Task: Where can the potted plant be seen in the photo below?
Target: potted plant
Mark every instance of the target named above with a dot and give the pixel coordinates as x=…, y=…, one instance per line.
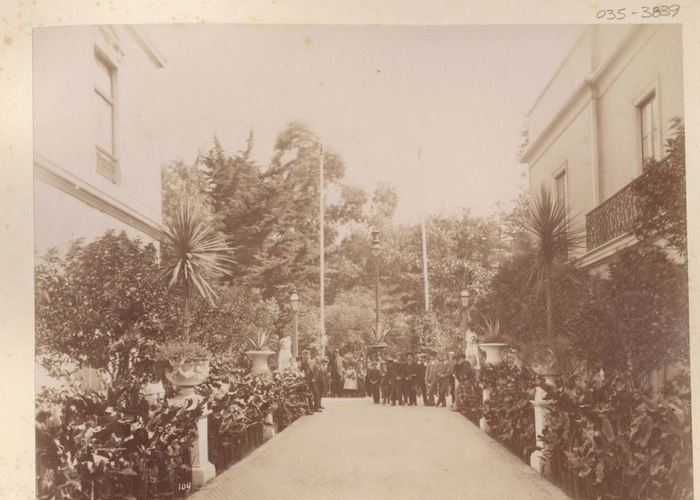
x=547, y=357
x=493, y=342
x=195, y=255
x=186, y=365
x=377, y=334
x=259, y=354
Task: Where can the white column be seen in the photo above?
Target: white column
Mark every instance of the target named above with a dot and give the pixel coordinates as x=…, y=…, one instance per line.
x=483, y=425
x=202, y=469
x=541, y=409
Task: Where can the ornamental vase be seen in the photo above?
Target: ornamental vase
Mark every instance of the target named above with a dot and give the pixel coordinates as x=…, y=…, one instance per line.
x=188, y=373
x=259, y=362
x=494, y=352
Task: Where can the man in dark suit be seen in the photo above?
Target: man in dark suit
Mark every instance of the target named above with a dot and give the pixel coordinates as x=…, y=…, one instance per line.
x=420, y=378
x=410, y=375
x=308, y=368
x=399, y=374
x=387, y=369
x=372, y=381
x=321, y=379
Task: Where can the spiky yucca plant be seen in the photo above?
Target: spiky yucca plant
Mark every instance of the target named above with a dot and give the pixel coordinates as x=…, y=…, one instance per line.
x=553, y=239
x=377, y=336
x=195, y=256
x=260, y=338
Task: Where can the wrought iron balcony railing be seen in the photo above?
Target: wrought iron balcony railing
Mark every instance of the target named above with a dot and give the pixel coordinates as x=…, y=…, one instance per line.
x=614, y=217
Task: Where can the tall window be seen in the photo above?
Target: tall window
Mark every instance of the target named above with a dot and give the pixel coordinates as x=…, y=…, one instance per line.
x=104, y=117
x=648, y=115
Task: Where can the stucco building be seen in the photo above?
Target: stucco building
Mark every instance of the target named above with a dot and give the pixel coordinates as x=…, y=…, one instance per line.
x=604, y=113
x=96, y=164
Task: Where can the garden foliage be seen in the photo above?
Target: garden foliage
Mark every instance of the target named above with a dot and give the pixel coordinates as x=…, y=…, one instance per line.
x=113, y=445
x=607, y=439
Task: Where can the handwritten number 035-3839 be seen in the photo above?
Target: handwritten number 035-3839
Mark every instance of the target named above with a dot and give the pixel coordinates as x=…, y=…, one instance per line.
x=644, y=12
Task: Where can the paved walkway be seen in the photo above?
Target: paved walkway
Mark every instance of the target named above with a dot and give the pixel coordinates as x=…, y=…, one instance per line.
x=357, y=450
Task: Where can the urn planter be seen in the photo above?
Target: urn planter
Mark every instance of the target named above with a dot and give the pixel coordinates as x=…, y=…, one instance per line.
x=494, y=351
x=152, y=392
x=259, y=362
x=186, y=375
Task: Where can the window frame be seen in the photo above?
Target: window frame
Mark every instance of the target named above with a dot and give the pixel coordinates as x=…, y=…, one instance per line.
x=649, y=95
x=107, y=162
x=562, y=171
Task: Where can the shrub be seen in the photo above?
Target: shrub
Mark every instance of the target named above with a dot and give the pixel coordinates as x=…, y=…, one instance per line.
x=469, y=395
x=606, y=439
x=508, y=411
x=94, y=295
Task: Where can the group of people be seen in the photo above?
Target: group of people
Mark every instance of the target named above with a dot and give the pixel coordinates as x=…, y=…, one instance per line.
x=388, y=380
x=399, y=380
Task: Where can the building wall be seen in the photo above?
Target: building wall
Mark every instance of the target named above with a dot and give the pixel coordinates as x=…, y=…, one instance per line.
x=65, y=136
x=654, y=61
x=592, y=126
x=572, y=151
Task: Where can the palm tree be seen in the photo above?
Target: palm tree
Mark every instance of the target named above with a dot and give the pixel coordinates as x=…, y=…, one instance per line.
x=552, y=240
x=196, y=255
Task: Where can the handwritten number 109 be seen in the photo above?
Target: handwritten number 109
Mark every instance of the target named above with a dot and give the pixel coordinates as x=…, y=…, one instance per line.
x=645, y=12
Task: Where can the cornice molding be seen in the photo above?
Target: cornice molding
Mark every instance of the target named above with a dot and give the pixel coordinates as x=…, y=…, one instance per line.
x=88, y=194
x=152, y=52
x=590, y=82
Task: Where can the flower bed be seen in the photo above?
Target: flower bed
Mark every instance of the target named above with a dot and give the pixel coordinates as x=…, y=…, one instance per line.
x=113, y=445
x=607, y=439
x=508, y=411
x=604, y=438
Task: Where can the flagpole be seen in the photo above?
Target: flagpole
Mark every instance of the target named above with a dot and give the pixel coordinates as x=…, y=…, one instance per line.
x=322, y=253
x=424, y=240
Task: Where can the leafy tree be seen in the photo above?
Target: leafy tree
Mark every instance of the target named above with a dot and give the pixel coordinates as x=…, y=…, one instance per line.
x=95, y=294
x=637, y=317
x=660, y=195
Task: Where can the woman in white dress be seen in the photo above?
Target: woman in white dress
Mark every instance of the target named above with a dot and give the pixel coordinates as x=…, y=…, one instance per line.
x=350, y=384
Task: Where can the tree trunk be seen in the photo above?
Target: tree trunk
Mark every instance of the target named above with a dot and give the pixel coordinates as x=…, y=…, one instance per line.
x=548, y=302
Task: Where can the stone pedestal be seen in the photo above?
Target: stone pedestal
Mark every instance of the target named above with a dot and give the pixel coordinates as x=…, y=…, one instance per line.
x=483, y=425
x=541, y=408
x=269, y=430
x=202, y=469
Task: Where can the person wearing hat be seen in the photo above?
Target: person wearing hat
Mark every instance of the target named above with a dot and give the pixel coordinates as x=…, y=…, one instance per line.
x=431, y=379
x=451, y=361
x=399, y=380
x=372, y=381
x=385, y=384
x=444, y=379
x=410, y=374
x=309, y=368
x=389, y=382
x=321, y=381
x=420, y=377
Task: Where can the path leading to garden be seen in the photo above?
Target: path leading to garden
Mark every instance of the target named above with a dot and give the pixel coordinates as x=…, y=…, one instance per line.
x=357, y=450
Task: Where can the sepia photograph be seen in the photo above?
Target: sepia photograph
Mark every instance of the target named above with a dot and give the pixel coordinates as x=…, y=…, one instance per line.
x=281, y=261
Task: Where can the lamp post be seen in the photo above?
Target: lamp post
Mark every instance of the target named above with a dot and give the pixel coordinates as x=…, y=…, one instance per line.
x=464, y=299
x=376, y=249
x=294, y=301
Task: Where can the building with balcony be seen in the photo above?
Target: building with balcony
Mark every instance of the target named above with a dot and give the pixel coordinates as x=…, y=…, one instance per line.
x=604, y=114
x=96, y=162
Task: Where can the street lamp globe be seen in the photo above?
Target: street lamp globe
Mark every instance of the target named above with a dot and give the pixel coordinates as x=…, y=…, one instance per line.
x=376, y=246
x=464, y=298
x=294, y=300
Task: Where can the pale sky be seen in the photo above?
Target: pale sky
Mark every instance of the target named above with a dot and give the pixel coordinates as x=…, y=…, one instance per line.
x=374, y=94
